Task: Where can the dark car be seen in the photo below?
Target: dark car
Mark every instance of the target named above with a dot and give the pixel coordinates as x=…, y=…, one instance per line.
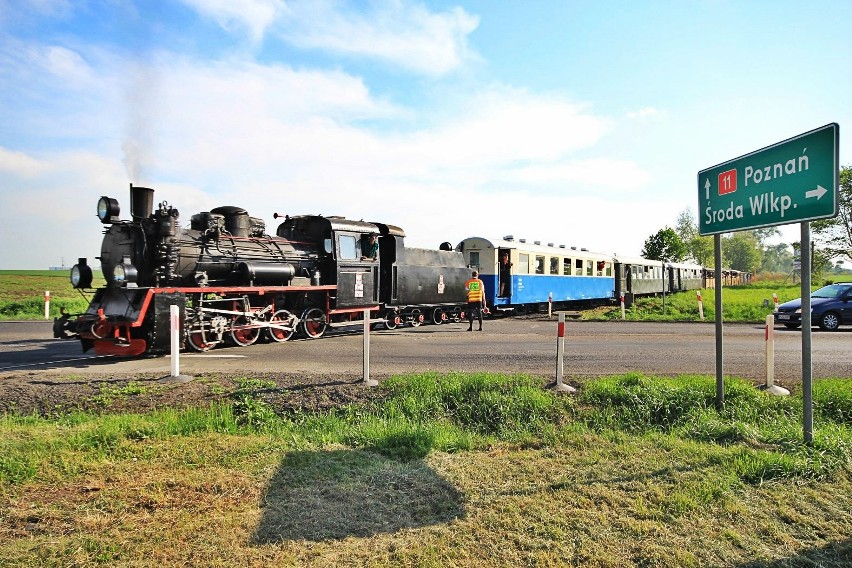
x=830, y=306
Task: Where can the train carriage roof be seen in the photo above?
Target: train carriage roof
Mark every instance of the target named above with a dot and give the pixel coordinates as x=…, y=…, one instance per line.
x=687, y=265
x=533, y=248
x=639, y=260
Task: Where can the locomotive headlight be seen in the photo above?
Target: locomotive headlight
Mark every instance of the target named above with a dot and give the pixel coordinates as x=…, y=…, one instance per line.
x=108, y=209
x=81, y=274
x=125, y=274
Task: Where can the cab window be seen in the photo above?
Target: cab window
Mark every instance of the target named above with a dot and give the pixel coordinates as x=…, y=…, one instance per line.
x=347, y=247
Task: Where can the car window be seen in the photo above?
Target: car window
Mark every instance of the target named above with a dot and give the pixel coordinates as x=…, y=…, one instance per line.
x=832, y=291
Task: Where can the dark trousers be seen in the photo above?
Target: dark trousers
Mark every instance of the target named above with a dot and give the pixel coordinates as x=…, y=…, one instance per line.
x=474, y=307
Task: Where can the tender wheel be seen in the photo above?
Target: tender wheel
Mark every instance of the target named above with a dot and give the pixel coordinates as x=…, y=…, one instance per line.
x=792, y=325
x=829, y=321
x=391, y=319
x=244, y=332
x=438, y=316
x=313, y=322
x=416, y=317
x=282, y=326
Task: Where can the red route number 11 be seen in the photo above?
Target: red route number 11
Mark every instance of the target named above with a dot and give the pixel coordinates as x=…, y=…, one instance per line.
x=727, y=182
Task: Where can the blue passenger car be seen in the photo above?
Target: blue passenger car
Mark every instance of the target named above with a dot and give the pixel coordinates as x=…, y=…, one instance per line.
x=538, y=273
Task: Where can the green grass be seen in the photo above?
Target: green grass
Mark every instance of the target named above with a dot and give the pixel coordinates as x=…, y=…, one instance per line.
x=449, y=469
x=22, y=294
x=748, y=303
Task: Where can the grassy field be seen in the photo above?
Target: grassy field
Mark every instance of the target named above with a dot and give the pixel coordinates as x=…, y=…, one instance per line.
x=748, y=303
x=443, y=470
x=22, y=293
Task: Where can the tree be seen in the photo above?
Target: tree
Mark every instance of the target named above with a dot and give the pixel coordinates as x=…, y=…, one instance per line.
x=686, y=228
x=777, y=258
x=741, y=251
x=835, y=235
x=665, y=245
x=698, y=248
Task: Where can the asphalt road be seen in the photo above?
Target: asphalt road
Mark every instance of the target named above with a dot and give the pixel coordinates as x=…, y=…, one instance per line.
x=509, y=345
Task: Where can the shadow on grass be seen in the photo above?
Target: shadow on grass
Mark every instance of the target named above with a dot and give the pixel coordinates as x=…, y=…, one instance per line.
x=335, y=494
x=833, y=554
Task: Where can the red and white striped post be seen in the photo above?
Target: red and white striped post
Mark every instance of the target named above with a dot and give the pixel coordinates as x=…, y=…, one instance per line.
x=700, y=305
x=623, y=314
x=560, y=355
x=769, y=336
x=775, y=300
x=47, y=304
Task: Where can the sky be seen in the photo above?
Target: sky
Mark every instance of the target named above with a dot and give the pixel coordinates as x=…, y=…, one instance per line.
x=571, y=122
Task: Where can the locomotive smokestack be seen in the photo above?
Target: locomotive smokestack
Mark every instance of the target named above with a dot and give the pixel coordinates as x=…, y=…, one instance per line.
x=141, y=202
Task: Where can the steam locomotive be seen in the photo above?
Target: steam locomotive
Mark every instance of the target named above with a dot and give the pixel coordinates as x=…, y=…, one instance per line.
x=233, y=283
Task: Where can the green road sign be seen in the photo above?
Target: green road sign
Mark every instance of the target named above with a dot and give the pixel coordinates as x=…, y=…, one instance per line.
x=789, y=182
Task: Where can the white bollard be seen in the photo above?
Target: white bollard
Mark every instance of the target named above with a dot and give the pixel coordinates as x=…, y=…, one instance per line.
x=47, y=304
x=700, y=305
x=771, y=387
x=367, y=380
x=775, y=300
x=560, y=355
x=174, y=331
x=174, y=328
x=550, y=305
x=623, y=315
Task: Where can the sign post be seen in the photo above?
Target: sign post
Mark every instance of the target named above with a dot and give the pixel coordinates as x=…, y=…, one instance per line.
x=794, y=181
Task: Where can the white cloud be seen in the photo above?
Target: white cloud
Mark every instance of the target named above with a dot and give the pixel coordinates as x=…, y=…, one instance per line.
x=19, y=164
x=399, y=32
x=643, y=113
x=274, y=139
x=254, y=16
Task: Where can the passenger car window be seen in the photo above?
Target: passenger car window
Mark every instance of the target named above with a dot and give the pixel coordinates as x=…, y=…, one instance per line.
x=539, y=265
x=523, y=263
x=554, y=265
x=566, y=267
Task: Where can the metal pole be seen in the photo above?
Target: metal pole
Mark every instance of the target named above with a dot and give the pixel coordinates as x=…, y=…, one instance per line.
x=560, y=355
x=720, y=381
x=367, y=380
x=807, y=363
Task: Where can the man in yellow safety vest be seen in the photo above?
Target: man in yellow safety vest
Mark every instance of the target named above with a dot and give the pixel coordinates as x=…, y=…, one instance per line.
x=475, y=299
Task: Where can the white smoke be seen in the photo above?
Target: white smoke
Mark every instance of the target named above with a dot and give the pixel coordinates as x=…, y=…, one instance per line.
x=138, y=145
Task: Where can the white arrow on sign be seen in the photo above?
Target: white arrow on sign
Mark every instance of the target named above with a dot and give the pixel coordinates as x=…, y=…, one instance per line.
x=707, y=189
x=818, y=192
